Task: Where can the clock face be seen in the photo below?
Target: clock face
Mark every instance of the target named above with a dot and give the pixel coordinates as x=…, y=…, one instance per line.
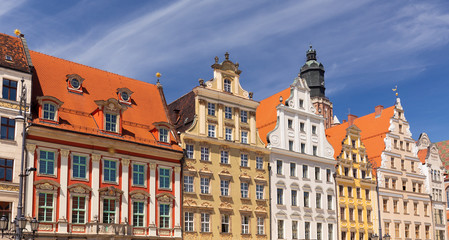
x=125, y=96
x=75, y=83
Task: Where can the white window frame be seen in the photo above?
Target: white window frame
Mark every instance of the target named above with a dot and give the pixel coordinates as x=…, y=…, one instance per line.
x=170, y=177
x=260, y=226
x=224, y=187
x=260, y=191
x=224, y=157
x=228, y=112
x=226, y=220
x=227, y=85
x=189, y=185
x=244, y=139
x=280, y=197
x=294, y=197
x=164, y=135
x=205, y=222
x=244, y=189
x=205, y=185
x=211, y=109
x=205, y=154
x=117, y=122
x=55, y=117
x=244, y=160
x=211, y=130
x=190, y=151
x=245, y=224
x=228, y=134
x=243, y=116
x=189, y=221
x=259, y=162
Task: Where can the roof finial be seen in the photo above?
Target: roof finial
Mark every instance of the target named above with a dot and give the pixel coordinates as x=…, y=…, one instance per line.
x=395, y=89
x=227, y=56
x=17, y=32
x=158, y=75
x=216, y=59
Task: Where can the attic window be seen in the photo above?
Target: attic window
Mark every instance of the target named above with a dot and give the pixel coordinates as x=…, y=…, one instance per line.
x=124, y=95
x=8, y=58
x=227, y=85
x=74, y=83
x=49, y=107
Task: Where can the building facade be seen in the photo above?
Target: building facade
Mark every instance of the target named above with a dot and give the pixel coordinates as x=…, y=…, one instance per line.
x=356, y=185
x=433, y=168
x=106, y=166
x=15, y=67
x=303, y=203
x=225, y=171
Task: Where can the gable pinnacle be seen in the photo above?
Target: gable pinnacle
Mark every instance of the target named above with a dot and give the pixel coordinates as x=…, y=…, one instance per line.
x=227, y=56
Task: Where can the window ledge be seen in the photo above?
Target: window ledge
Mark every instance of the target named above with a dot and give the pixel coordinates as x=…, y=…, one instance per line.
x=205, y=161
x=46, y=175
x=9, y=141
x=189, y=193
x=164, y=189
x=138, y=186
x=244, y=167
x=206, y=194
x=110, y=182
x=79, y=179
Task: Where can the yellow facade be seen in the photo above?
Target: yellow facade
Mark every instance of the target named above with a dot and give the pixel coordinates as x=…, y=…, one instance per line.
x=356, y=189
x=220, y=195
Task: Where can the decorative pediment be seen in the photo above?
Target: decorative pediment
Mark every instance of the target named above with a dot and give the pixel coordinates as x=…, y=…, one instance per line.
x=261, y=209
x=294, y=186
x=124, y=95
x=74, y=82
x=165, y=197
x=225, y=206
x=46, y=184
x=245, y=208
x=41, y=99
x=111, y=105
x=189, y=168
x=260, y=178
x=79, y=188
x=227, y=65
x=110, y=191
x=244, y=176
x=206, y=205
x=139, y=194
x=190, y=203
x=225, y=173
x=205, y=171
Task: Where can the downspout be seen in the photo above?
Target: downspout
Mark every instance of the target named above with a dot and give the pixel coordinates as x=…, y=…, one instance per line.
x=269, y=194
x=378, y=206
x=336, y=203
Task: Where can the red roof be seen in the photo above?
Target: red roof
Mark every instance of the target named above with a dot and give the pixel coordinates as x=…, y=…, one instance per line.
x=422, y=155
x=147, y=108
x=443, y=149
x=12, y=47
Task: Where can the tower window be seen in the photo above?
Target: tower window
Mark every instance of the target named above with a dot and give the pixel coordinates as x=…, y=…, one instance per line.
x=227, y=85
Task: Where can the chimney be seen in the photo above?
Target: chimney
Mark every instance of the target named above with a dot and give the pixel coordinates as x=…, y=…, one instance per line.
x=351, y=119
x=378, y=110
x=344, y=121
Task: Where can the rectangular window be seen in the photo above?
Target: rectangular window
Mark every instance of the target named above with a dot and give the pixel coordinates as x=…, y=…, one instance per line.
x=319, y=231
x=294, y=198
x=328, y=175
x=351, y=214
x=164, y=178
x=204, y=154
x=245, y=224
x=228, y=134
x=329, y=202
x=360, y=215
x=417, y=231
x=290, y=145
x=293, y=169
x=244, y=189
x=108, y=210
x=342, y=213
x=367, y=195
x=387, y=228
x=211, y=131
x=188, y=183
x=7, y=128
x=9, y=90
x=259, y=191
x=205, y=222
x=45, y=212
x=243, y=116
x=280, y=196
x=318, y=200
x=290, y=123
x=306, y=199
x=224, y=187
x=138, y=214
x=303, y=148
x=49, y=111
x=341, y=190
x=189, y=151
x=163, y=135
x=358, y=192
x=204, y=184
x=317, y=173
x=224, y=157
x=188, y=222
x=279, y=167
x=211, y=109
x=139, y=174
x=260, y=225
x=314, y=150
x=259, y=162
x=302, y=127
x=301, y=103
x=225, y=223
x=6, y=169
x=396, y=230
x=244, y=137
x=354, y=173
x=111, y=122
x=164, y=216
x=228, y=112
x=350, y=192
x=79, y=166
x=244, y=160
x=330, y=231
x=307, y=230
x=385, y=205
x=313, y=129
x=280, y=229
x=305, y=171
x=46, y=162
x=294, y=229
x=78, y=210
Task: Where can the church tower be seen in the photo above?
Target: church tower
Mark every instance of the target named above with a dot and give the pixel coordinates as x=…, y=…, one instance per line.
x=313, y=72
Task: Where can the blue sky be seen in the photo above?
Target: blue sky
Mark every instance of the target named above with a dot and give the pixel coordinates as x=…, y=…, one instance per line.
x=367, y=47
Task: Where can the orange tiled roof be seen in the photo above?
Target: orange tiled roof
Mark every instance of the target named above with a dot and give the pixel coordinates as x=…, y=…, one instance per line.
x=266, y=113
x=373, y=132
x=75, y=113
x=422, y=154
x=13, y=47
x=443, y=148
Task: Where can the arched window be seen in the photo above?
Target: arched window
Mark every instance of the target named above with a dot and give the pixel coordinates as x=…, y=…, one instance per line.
x=227, y=85
x=49, y=111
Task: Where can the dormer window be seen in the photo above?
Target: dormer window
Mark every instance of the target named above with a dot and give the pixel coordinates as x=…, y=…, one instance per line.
x=162, y=131
x=74, y=83
x=227, y=85
x=49, y=107
x=111, y=122
x=124, y=95
x=49, y=111
x=109, y=114
x=8, y=58
x=163, y=135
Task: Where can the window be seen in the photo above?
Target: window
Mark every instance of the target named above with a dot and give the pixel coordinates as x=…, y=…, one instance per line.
x=280, y=229
x=329, y=202
x=244, y=137
x=79, y=166
x=353, y=144
x=417, y=231
x=317, y=173
x=7, y=128
x=227, y=85
x=427, y=229
x=368, y=215
x=188, y=221
x=228, y=112
x=244, y=160
x=306, y=199
x=260, y=225
x=111, y=123
x=224, y=187
x=294, y=198
x=360, y=215
x=363, y=174
x=385, y=205
x=354, y=157
x=293, y=169
x=211, y=130
x=225, y=223
x=6, y=169
x=290, y=145
x=301, y=103
x=204, y=185
x=244, y=189
x=243, y=116
x=387, y=228
x=259, y=162
x=228, y=134
x=204, y=154
x=280, y=196
x=138, y=214
x=313, y=129
x=259, y=191
x=396, y=230
x=46, y=162
x=290, y=123
x=402, y=164
x=330, y=230
x=188, y=183
x=279, y=167
x=358, y=193
x=392, y=162
x=45, y=209
x=307, y=230
x=205, y=224
x=341, y=190
x=164, y=178
x=415, y=208
x=328, y=175
x=346, y=172
x=211, y=109
x=354, y=173
x=393, y=183
x=319, y=231
x=350, y=191
x=224, y=157
x=163, y=135
x=318, y=200
x=351, y=214
x=395, y=206
x=189, y=151
x=139, y=174
x=314, y=150
x=342, y=213
x=303, y=148
x=305, y=171
x=108, y=210
x=164, y=216
x=78, y=209
x=245, y=224
x=301, y=127
x=9, y=90
x=294, y=229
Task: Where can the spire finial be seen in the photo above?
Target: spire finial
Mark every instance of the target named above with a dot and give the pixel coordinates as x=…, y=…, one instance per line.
x=395, y=89
x=227, y=56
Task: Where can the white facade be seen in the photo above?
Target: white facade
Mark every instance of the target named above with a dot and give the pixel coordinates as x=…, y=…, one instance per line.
x=302, y=164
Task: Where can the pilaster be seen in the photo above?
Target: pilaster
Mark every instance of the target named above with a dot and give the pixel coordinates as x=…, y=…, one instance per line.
x=31, y=149
x=125, y=189
x=252, y=127
x=95, y=186
x=152, y=223
x=64, y=172
x=221, y=125
x=202, y=116
x=178, y=202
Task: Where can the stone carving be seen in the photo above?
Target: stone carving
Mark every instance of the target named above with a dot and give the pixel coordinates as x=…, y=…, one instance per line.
x=152, y=166
x=31, y=148
x=79, y=188
x=225, y=205
x=8, y=187
x=165, y=197
x=329, y=152
x=206, y=205
x=177, y=169
x=110, y=191
x=190, y=203
x=125, y=162
x=261, y=209
x=96, y=157
x=78, y=228
x=392, y=126
x=64, y=153
x=274, y=140
x=45, y=227
x=387, y=141
x=245, y=175
x=46, y=184
x=139, y=194
x=245, y=208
